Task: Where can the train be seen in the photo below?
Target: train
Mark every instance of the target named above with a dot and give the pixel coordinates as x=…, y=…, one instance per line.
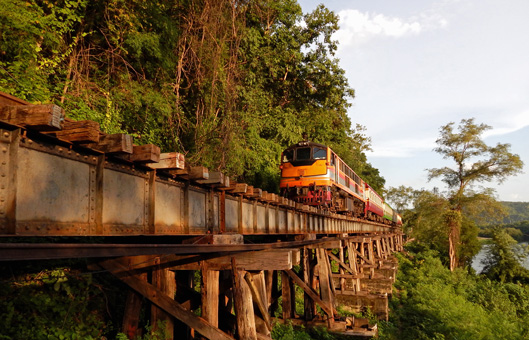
x=313, y=174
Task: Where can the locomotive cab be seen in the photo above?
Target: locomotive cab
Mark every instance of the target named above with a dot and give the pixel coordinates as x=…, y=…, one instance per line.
x=304, y=173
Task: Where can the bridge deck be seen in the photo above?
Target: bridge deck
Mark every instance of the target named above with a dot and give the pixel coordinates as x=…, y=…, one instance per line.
x=51, y=187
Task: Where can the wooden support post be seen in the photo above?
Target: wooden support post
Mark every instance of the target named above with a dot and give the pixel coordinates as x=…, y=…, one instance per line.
x=133, y=304
x=379, y=249
x=371, y=256
x=325, y=284
x=210, y=295
x=288, y=313
x=163, y=280
x=353, y=264
x=272, y=290
x=308, y=302
x=329, y=270
x=243, y=305
x=259, y=301
x=341, y=271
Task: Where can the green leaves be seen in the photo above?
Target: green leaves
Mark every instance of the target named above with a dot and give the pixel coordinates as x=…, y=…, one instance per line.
x=433, y=303
x=474, y=161
x=51, y=304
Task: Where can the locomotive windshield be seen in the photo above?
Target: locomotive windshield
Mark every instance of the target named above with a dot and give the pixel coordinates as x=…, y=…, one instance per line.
x=304, y=154
x=319, y=153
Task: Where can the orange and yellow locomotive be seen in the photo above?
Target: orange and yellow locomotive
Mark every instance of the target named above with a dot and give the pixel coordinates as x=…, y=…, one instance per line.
x=313, y=174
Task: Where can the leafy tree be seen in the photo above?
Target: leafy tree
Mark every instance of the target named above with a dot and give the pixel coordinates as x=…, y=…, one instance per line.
x=400, y=197
x=229, y=84
x=504, y=258
x=475, y=162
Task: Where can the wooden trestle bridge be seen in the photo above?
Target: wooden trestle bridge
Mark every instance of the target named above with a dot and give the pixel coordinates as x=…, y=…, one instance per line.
x=165, y=220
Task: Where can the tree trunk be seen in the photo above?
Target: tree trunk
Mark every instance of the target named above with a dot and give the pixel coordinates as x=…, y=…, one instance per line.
x=453, y=221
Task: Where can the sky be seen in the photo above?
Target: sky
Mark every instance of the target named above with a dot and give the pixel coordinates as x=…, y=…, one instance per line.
x=416, y=65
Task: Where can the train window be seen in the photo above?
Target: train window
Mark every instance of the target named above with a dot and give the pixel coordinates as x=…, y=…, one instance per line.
x=302, y=154
x=288, y=156
x=319, y=153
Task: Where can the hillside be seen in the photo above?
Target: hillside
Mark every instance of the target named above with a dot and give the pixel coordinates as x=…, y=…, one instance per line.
x=518, y=212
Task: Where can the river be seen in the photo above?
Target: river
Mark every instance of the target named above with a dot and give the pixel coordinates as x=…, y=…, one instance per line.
x=476, y=263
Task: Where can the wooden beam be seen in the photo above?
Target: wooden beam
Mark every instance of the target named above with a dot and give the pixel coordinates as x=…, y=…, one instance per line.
x=84, y=131
x=118, y=143
x=147, y=153
x=217, y=178
x=254, y=192
x=349, y=276
x=363, y=257
x=198, y=173
x=341, y=263
x=274, y=259
x=313, y=295
x=170, y=161
x=165, y=302
x=45, y=117
x=239, y=188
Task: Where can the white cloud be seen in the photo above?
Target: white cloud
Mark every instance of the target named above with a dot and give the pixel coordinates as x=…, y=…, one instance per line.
x=357, y=27
x=511, y=124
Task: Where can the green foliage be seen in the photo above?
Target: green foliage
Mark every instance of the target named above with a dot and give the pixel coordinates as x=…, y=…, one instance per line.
x=152, y=333
x=287, y=332
x=504, y=258
x=465, y=147
x=434, y=303
x=52, y=304
x=230, y=86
